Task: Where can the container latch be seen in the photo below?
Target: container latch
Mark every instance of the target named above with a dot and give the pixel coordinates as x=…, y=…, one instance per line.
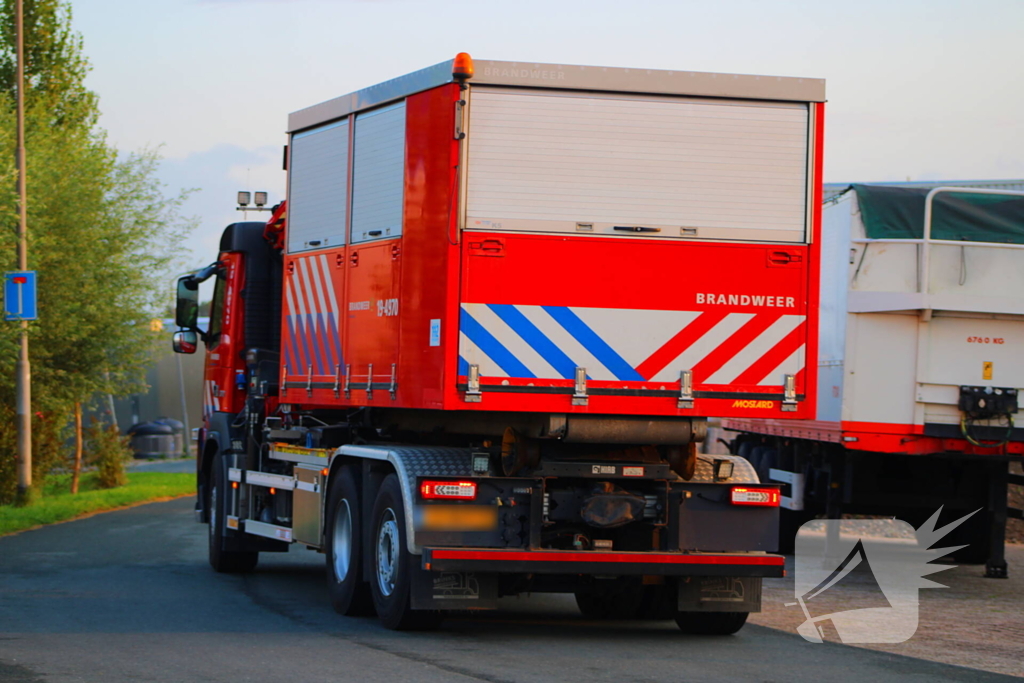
x=473, y=385
x=579, y=397
x=789, y=394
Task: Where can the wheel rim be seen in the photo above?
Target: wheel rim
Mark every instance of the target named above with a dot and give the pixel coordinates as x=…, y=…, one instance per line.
x=387, y=553
x=341, y=547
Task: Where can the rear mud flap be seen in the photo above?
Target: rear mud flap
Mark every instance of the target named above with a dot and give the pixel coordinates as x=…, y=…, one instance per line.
x=719, y=594
x=453, y=590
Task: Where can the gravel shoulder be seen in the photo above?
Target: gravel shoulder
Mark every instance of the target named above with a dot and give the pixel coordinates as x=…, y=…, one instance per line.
x=976, y=622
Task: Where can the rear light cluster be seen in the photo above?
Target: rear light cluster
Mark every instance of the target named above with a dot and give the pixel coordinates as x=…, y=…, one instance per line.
x=451, y=490
x=746, y=495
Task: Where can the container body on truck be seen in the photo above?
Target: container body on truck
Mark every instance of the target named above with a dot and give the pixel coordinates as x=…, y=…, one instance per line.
x=920, y=366
x=474, y=351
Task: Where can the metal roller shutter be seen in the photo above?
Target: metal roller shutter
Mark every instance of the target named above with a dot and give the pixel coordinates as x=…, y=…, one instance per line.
x=318, y=176
x=716, y=169
x=378, y=174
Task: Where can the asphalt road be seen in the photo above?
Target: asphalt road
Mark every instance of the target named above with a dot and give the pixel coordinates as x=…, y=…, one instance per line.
x=128, y=596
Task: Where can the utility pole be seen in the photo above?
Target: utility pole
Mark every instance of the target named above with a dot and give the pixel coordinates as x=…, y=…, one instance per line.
x=24, y=376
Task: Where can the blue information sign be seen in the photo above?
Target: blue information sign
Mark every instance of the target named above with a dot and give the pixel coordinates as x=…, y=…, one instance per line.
x=20, y=295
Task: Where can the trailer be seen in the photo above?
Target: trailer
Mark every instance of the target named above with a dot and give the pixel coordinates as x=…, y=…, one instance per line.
x=473, y=353
x=920, y=366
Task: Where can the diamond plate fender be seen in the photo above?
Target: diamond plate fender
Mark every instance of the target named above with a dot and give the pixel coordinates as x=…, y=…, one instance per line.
x=411, y=462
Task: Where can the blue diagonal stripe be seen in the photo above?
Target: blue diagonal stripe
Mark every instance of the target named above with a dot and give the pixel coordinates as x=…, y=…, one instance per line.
x=328, y=346
x=333, y=324
x=302, y=345
x=593, y=343
x=291, y=346
x=486, y=342
x=463, y=366
x=314, y=338
x=521, y=325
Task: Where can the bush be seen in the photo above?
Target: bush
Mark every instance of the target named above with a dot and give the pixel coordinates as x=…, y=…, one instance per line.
x=50, y=429
x=108, y=452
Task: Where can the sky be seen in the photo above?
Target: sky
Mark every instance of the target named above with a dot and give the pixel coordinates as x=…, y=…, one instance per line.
x=918, y=90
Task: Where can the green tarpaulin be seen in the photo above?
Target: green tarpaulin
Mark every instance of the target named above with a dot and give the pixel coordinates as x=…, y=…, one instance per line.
x=898, y=213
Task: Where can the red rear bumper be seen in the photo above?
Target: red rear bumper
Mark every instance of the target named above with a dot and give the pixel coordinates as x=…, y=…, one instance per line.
x=598, y=562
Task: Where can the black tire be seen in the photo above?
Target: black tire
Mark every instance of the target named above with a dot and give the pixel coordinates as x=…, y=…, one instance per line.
x=755, y=456
x=391, y=582
x=744, y=449
x=224, y=561
x=768, y=459
x=711, y=623
x=343, y=547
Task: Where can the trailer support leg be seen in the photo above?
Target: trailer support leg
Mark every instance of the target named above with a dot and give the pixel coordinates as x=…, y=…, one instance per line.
x=998, y=480
x=834, y=505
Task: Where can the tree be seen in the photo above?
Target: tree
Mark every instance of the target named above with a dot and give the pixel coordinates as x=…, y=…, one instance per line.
x=102, y=236
x=55, y=66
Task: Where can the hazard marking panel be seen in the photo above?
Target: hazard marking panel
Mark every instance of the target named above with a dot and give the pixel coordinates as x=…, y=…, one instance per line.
x=312, y=337
x=550, y=342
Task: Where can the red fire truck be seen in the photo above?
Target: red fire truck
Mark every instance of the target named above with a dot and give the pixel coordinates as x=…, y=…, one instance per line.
x=473, y=354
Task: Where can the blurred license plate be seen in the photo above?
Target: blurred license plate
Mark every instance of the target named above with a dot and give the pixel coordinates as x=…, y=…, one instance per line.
x=459, y=517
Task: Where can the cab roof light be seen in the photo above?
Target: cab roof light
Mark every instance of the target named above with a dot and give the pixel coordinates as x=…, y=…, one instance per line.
x=749, y=495
x=449, y=490
x=462, y=66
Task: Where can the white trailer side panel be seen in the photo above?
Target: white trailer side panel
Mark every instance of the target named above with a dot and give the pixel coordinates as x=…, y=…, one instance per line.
x=894, y=363
x=546, y=161
x=836, y=222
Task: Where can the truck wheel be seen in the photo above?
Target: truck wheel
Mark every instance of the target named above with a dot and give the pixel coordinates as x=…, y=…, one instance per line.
x=392, y=563
x=350, y=595
x=711, y=623
x=225, y=561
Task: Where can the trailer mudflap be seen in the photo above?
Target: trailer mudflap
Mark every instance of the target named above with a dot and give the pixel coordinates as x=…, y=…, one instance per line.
x=514, y=561
x=720, y=594
x=453, y=590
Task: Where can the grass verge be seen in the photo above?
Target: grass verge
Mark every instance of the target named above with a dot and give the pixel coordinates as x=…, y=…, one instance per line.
x=58, y=505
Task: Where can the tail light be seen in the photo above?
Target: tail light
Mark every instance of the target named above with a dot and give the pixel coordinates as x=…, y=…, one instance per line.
x=451, y=490
x=748, y=495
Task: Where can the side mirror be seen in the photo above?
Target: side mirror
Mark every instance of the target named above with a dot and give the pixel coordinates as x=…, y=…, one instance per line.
x=186, y=311
x=185, y=341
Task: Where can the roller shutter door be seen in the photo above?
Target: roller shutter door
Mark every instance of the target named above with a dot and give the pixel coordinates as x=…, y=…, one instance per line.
x=318, y=177
x=718, y=169
x=378, y=174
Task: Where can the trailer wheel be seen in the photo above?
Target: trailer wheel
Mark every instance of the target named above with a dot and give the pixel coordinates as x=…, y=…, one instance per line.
x=224, y=561
x=392, y=563
x=711, y=623
x=350, y=595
